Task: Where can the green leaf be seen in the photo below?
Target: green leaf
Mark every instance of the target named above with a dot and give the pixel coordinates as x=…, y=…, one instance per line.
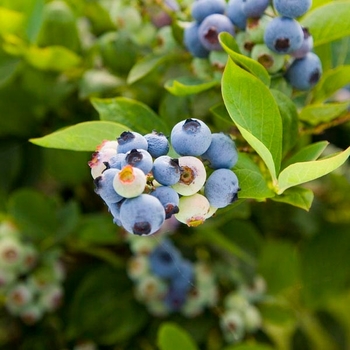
x=173, y=337
x=55, y=58
x=131, y=113
x=331, y=81
x=229, y=45
x=254, y=346
x=298, y=173
x=298, y=196
x=81, y=137
x=35, y=18
x=329, y=22
x=8, y=67
x=255, y=113
x=323, y=113
x=11, y=21
x=289, y=116
x=307, y=153
x=189, y=86
x=251, y=181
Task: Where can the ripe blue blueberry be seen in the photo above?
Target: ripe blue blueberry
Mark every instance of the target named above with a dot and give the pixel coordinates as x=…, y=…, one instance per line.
x=192, y=43
x=203, y=8
x=183, y=280
x=138, y=158
x=158, y=144
x=104, y=186
x=235, y=13
x=254, y=8
x=292, y=8
x=175, y=298
x=306, y=47
x=129, y=140
x=164, y=260
x=114, y=209
x=142, y=215
x=283, y=35
x=221, y=188
x=211, y=27
x=190, y=137
x=222, y=152
x=169, y=199
x=304, y=73
x=116, y=161
x=166, y=170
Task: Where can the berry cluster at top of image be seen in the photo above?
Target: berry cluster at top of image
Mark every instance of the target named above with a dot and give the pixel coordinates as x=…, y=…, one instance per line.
x=145, y=179
x=267, y=31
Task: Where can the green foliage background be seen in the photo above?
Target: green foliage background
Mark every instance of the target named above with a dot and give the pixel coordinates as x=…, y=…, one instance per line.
x=75, y=72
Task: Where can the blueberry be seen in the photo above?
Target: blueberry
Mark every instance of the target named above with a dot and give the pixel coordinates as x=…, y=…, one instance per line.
x=138, y=158
x=185, y=276
x=254, y=8
x=304, y=73
x=283, y=35
x=222, y=152
x=116, y=161
x=175, y=298
x=272, y=61
x=169, y=199
x=210, y=29
x=142, y=215
x=203, y=8
x=190, y=137
x=221, y=188
x=235, y=13
x=192, y=43
x=245, y=44
x=129, y=140
x=104, y=186
x=306, y=46
x=158, y=144
x=129, y=182
x=164, y=260
x=256, y=28
x=114, y=209
x=292, y=8
x=166, y=170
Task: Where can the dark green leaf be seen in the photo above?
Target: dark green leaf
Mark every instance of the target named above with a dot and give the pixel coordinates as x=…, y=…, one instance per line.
x=248, y=347
x=8, y=67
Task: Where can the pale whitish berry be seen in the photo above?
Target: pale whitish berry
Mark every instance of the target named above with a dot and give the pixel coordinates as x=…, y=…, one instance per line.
x=236, y=301
x=129, y=182
x=157, y=308
x=7, y=228
x=29, y=259
x=138, y=267
x=150, y=288
x=31, y=313
x=193, y=176
x=11, y=253
x=252, y=318
x=193, y=209
x=19, y=296
x=232, y=326
x=6, y=278
x=141, y=246
x=255, y=290
x=51, y=297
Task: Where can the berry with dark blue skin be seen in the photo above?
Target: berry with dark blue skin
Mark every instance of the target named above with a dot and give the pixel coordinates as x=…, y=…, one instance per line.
x=164, y=260
x=222, y=152
x=129, y=140
x=192, y=42
x=158, y=144
x=166, y=170
x=138, y=158
x=283, y=35
x=235, y=13
x=254, y=8
x=190, y=137
x=142, y=215
x=203, y=8
x=211, y=27
x=169, y=199
x=292, y=8
x=104, y=186
x=175, y=298
x=306, y=47
x=304, y=73
x=185, y=276
x=221, y=188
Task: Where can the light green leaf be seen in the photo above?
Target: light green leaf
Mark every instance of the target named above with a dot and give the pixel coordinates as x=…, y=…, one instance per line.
x=307, y=153
x=289, y=116
x=298, y=196
x=11, y=21
x=173, y=337
x=331, y=81
x=189, y=86
x=255, y=113
x=323, y=113
x=298, y=173
x=81, y=137
x=35, y=18
x=251, y=181
x=131, y=113
x=254, y=346
x=229, y=45
x=55, y=58
x=329, y=22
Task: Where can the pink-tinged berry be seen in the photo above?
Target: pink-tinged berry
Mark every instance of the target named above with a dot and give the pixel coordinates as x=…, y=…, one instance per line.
x=193, y=210
x=129, y=182
x=51, y=297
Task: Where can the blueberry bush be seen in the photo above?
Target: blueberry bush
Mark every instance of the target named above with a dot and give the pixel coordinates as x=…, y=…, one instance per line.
x=175, y=174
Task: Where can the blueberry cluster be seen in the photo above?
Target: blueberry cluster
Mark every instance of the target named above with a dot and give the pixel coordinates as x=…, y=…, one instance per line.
x=143, y=186
x=267, y=31
x=30, y=283
x=166, y=282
